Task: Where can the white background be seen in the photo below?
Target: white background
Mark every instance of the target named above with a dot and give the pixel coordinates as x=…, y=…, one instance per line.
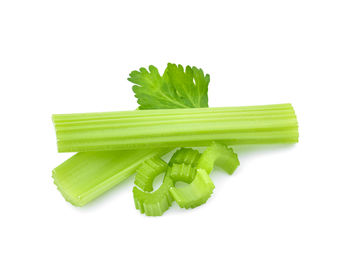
x=284, y=206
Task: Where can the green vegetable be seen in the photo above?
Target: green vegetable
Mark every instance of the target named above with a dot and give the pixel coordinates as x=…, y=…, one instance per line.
x=85, y=176
x=80, y=179
x=186, y=156
x=180, y=169
x=148, y=171
x=182, y=165
x=141, y=129
x=200, y=186
x=182, y=172
x=219, y=155
x=144, y=135
x=177, y=88
x=195, y=193
x=154, y=203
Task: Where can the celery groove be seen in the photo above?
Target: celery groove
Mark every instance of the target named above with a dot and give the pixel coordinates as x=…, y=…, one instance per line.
x=142, y=129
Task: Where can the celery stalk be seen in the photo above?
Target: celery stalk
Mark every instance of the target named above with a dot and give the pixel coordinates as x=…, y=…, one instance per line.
x=141, y=129
x=85, y=176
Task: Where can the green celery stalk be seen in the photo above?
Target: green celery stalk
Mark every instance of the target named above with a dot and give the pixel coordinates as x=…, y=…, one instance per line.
x=143, y=129
x=85, y=176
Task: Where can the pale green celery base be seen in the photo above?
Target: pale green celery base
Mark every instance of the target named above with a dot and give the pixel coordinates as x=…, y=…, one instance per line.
x=87, y=175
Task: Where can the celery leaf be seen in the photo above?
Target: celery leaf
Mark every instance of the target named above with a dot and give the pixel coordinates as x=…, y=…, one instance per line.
x=176, y=88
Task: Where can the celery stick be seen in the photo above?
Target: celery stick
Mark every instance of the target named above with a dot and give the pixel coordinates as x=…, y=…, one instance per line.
x=141, y=129
x=85, y=176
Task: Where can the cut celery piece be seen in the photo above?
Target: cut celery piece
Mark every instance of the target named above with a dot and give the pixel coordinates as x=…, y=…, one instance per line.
x=181, y=165
x=182, y=172
x=85, y=176
x=195, y=193
x=186, y=156
x=141, y=129
x=148, y=171
x=154, y=203
x=220, y=155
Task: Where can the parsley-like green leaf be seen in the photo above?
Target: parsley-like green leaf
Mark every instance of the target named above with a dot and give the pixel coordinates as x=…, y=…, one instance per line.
x=177, y=88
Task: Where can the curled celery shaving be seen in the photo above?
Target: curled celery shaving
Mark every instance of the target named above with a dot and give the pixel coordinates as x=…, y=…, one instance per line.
x=195, y=193
x=154, y=203
x=220, y=155
x=148, y=171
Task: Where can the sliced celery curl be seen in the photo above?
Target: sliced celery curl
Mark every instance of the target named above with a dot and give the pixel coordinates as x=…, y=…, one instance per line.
x=199, y=189
x=85, y=176
x=148, y=171
x=141, y=129
x=186, y=156
x=182, y=165
x=195, y=193
x=154, y=203
x=182, y=172
x=220, y=155
x=157, y=202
